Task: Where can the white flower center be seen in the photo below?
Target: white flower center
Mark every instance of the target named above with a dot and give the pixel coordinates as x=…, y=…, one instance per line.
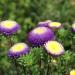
x=39, y=30
x=8, y=24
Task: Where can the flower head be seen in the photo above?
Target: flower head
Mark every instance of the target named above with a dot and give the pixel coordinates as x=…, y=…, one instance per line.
x=18, y=49
x=44, y=23
x=8, y=27
x=73, y=27
x=54, y=48
x=40, y=35
x=55, y=25
x=72, y=72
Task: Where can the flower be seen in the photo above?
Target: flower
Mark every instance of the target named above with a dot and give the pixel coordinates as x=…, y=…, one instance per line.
x=55, y=25
x=73, y=27
x=44, y=23
x=54, y=48
x=40, y=35
x=72, y=72
x=18, y=49
x=9, y=27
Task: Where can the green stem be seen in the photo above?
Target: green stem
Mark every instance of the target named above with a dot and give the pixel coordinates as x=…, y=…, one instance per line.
x=41, y=63
x=47, y=69
x=16, y=67
x=24, y=70
x=1, y=71
x=0, y=39
x=48, y=65
x=9, y=41
x=30, y=72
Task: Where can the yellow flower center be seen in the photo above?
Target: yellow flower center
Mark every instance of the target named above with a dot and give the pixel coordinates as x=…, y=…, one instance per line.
x=18, y=47
x=54, y=47
x=55, y=24
x=8, y=24
x=39, y=30
x=72, y=72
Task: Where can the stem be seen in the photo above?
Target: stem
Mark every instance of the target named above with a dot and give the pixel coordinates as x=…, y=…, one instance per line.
x=47, y=69
x=17, y=70
x=42, y=67
x=30, y=72
x=16, y=67
x=42, y=63
x=48, y=66
x=9, y=41
x=24, y=70
x=0, y=39
x=1, y=71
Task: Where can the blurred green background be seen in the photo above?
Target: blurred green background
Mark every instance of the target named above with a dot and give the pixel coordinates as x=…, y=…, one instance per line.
x=28, y=13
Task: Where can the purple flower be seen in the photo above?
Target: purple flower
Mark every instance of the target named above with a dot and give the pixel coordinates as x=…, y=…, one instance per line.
x=54, y=48
x=40, y=35
x=18, y=49
x=9, y=27
x=44, y=23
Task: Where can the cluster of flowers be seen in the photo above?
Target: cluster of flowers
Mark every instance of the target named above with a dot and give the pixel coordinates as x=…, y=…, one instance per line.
x=42, y=35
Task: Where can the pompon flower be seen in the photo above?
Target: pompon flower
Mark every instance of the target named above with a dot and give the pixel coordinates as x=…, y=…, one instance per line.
x=55, y=25
x=9, y=27
x=72, y=72
x=40, y=35
x=18, y=49
x=73, y=27
x=54, y=48
x=44, y=23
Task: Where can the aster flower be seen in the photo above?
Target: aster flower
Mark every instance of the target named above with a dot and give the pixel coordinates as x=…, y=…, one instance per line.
x=73, y=27
x=72, y=72
x=44, y=23
x=8, y=27
x=54, y=48
x=18, y=49
x=40, y=35
x=55, y=25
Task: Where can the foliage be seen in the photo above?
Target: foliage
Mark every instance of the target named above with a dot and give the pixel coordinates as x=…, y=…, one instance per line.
x=28, y=13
